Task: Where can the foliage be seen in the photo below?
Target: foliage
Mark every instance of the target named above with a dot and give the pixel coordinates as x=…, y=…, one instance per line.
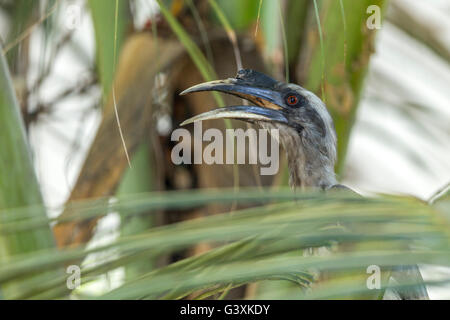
x=18, y=184
x=272, y=235
x=255, y=244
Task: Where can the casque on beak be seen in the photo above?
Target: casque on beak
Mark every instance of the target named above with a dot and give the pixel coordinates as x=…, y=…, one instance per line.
x=257, y=88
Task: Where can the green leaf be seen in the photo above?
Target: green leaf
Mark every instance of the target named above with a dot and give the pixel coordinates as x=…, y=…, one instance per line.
x=137, y=179
x=108, y=42
x=240, y=13
x=22, y=12
x=296, y=14
x=261, y=243
x=18, y=183
x=335, y=68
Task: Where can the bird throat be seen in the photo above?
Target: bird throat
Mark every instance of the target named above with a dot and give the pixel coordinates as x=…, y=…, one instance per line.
x=308, y=166
x=305, y=174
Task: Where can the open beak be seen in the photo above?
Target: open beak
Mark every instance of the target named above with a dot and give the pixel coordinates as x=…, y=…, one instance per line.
x=267, y=102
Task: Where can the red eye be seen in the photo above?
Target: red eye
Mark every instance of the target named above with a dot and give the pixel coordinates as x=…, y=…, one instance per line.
x=292, y=100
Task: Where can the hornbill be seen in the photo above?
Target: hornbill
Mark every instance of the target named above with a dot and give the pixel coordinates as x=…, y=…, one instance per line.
x=307, y=134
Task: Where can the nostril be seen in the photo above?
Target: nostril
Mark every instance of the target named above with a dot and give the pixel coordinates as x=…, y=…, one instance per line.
x=242, y=73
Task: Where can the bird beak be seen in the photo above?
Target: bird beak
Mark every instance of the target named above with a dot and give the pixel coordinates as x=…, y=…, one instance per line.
x=268, y=103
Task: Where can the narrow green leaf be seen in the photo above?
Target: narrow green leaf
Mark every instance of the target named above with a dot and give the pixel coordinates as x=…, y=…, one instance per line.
x=334, y=63
x=104, y=19
x=18, y=183
x=138, y=179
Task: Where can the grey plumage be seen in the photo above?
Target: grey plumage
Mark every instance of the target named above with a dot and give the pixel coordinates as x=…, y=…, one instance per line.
x=307, y=133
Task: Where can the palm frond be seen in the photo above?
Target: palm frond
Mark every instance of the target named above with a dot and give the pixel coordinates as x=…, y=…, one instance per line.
x=261, y=243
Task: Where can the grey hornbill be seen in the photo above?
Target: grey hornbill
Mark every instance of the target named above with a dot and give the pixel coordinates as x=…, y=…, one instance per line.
x=306, y=131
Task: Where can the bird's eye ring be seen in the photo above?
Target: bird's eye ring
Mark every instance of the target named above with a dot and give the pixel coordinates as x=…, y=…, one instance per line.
x=292, y=100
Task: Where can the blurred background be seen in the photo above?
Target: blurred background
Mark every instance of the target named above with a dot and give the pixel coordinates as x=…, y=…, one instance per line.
x=79, y=66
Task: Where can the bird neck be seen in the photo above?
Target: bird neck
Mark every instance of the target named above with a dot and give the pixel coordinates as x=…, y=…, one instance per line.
x=309, y=164
x=309, y=167
x=307, y=174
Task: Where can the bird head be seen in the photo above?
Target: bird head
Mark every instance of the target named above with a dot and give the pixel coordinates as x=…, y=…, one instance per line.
x=306, y=129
